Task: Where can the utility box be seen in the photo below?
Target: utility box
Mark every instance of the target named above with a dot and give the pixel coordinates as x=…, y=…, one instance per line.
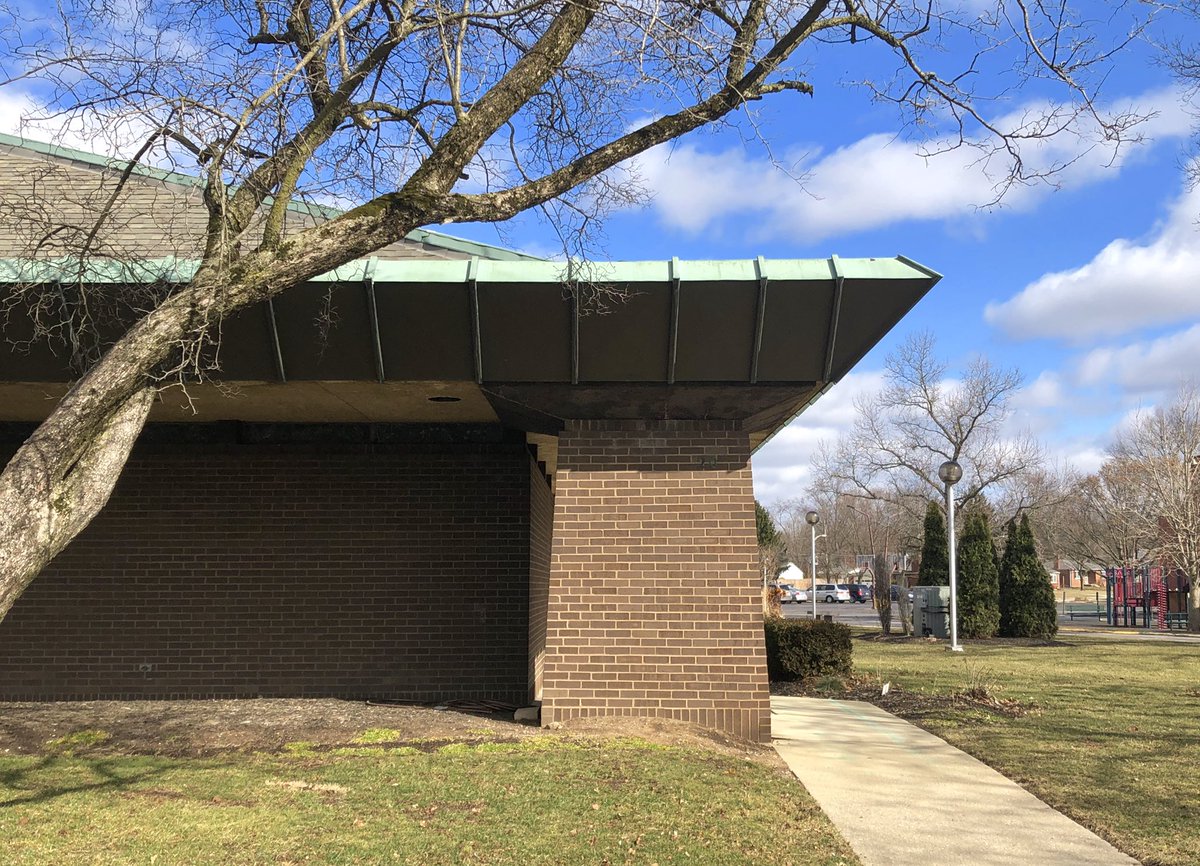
x=931, y=611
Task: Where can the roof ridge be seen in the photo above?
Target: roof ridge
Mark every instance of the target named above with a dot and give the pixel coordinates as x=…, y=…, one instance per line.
x=422, y=235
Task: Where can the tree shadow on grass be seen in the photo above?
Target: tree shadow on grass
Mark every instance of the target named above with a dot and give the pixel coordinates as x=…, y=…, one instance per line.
x=54, y=776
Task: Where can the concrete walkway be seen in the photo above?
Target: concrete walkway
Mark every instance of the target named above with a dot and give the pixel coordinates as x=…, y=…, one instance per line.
x=902, y=797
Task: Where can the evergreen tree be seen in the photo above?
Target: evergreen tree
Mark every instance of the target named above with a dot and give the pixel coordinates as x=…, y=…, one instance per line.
x=768, y=534
x=772, y=548
x=935, y=552
x=978, y=579
x=1010, y=549
x=1026, y=598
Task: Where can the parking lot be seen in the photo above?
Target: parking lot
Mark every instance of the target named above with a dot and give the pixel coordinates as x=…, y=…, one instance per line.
x=850, y=613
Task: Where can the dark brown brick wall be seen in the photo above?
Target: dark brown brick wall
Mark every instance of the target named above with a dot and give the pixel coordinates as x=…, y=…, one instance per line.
x=654, y=605
x=396, y=571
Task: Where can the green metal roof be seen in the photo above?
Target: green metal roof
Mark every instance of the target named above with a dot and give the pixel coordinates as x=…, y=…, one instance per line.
x=753, y=340
x=426, y=236
x=527, y=271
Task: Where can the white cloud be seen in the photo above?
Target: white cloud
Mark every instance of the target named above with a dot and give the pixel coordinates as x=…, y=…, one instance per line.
x=14, y=107
x=1146, y=366
x=1044, y=392
x=1128, y=285
x=783, y=467
x=882, y=179
x=1086, y=459
x=114, y=133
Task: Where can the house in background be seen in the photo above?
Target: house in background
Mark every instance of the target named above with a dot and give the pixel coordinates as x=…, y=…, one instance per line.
x=793, y=575
x=432, y=474
x=1071, y=574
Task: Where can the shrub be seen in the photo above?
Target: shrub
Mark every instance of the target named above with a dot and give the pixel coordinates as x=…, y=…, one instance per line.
x=803, y=648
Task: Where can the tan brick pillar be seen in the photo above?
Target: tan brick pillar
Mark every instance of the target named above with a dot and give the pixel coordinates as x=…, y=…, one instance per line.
x=654, y=605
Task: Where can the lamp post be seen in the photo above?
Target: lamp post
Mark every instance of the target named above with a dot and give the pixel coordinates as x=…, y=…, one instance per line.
x=812, y=519
x=950, y=472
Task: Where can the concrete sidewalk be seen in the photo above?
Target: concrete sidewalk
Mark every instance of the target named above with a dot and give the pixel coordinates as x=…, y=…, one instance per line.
x=902, y=797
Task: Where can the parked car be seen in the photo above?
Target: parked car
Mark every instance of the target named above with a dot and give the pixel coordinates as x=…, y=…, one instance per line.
x=896, y=593
x=789, y=594
x=831, y=592
x=861, y=592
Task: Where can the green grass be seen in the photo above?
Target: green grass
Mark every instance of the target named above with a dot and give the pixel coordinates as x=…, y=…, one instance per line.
x=1114, y=740
x=379, y=735
x=77, y=741
x=542, y=801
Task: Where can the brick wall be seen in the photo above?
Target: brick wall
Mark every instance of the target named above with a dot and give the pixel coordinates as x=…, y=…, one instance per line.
x=654, y=607
x=541, y=520
x=335, y=569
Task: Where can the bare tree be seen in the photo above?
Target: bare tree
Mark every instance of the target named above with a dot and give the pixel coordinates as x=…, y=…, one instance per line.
x=1100, y=521
x=881, y=528
x=834, y=549
x=433, y=113
x=868, y=527
x=919, y=419
x=1159, y=455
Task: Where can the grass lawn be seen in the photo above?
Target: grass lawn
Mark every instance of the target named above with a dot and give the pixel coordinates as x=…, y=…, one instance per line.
x=1113, y=739
x=543, y=800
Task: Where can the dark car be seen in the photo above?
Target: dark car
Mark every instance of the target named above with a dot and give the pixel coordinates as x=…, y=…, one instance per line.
x=896, y=593
x=861, y=592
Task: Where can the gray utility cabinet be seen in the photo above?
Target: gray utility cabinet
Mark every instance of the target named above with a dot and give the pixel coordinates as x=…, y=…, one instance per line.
x=931, y=611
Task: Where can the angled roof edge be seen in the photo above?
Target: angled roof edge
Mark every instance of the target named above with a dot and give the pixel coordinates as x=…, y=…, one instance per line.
x=175, y=270
x=425, y=236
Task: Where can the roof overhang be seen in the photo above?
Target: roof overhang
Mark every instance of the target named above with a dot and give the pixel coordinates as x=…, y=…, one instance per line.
x=750, y=340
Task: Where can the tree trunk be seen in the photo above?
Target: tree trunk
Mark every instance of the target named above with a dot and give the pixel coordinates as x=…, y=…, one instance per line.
x=883, y=594
x=63, y=474
x=43, y=506
x=1193, y=614
x=905, y=606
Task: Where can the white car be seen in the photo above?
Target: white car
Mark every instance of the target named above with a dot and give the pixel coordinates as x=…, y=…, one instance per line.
x=831, y=592
x=792, y=594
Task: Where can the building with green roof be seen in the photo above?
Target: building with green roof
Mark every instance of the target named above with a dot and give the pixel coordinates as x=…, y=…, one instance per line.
x=446, y=471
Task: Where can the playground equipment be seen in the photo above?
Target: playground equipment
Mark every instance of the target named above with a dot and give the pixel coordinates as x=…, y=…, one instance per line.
x=1156, y=596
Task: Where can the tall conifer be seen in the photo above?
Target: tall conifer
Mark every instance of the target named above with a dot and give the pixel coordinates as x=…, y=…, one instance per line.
x=935, y=553
x=1026, y=598
x=978, y=579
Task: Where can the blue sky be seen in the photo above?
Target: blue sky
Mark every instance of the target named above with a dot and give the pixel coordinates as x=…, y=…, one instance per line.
x=1092, y=288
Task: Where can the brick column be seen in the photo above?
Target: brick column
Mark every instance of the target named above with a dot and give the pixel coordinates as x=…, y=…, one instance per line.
x=654, y=605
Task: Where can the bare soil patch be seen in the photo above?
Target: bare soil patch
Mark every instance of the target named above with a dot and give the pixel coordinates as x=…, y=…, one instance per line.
x=191, y=728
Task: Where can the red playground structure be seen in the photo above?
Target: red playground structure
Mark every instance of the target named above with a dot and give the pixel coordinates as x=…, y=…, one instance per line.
x=1149, y=593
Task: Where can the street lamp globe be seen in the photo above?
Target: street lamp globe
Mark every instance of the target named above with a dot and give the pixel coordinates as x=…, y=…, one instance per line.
x=950, y=472
x=812, y=518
